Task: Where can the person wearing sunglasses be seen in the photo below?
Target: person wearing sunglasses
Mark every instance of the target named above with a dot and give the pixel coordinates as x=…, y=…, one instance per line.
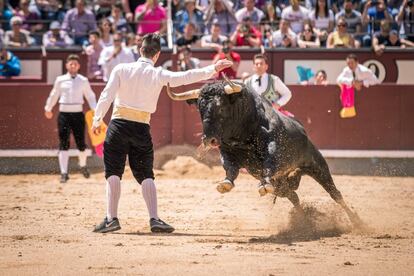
x=340, y=38
x=308, y=38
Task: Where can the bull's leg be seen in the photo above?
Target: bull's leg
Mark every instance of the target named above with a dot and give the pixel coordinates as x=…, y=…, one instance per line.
x=232, y=171
x=320, y=172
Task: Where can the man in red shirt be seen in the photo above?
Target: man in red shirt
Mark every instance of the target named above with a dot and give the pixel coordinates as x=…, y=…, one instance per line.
x=246, y=34
x=227, y=53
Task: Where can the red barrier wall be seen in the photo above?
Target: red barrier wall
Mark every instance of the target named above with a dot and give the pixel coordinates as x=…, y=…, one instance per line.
x=384, y=118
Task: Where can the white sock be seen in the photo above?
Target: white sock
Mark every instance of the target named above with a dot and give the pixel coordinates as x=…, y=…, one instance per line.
x=113, y=193
x=82, y=158
x=63, y=161
x=149, y=192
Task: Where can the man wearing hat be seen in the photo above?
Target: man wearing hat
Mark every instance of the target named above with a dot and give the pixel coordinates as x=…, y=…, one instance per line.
x=56, y=37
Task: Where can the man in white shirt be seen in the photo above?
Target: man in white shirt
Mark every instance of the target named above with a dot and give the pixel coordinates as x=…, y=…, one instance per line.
x=267, y=85
x=113, y=55
x=251, y=11
x=296, y=15
x=70, y=89
x=284, y=37
x=356, y=75
x=136, y=87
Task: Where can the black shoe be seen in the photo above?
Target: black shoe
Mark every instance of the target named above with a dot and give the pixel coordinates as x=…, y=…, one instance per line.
x=158, y=226
x=106, y=226
x=85, y=172
x=64, y=177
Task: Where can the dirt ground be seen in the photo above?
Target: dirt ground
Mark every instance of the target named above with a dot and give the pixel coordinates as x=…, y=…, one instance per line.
x=46, y=227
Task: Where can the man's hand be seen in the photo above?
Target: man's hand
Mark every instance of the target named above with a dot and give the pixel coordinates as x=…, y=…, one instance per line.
x=96, y=130
x=222, y=64
x=129, y=16
x=357, y=84
x=49, y=114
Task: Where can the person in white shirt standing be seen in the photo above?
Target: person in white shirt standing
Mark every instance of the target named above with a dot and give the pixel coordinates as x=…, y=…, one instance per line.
x=356, y=75
x=111, y=56
x=267, y=85
x=136, y=87
x=70, y=89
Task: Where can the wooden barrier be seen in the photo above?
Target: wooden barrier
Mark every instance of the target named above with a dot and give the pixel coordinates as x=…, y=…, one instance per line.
x=383, y=121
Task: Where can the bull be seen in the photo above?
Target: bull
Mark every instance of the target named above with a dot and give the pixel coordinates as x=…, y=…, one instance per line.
x=250, y=134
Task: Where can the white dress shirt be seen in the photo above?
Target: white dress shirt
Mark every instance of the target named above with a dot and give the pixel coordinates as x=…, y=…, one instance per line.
x=278, y=85
x=70, y=92
x=108, y=64
x=137, y=86
x=362, y=73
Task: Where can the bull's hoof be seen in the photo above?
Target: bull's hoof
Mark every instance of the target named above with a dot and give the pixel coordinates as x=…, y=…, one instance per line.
x=262, y=190
x=225, y=186
x=269, y=188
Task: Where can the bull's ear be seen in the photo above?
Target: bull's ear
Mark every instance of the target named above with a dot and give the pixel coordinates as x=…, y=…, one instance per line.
x=191, y=101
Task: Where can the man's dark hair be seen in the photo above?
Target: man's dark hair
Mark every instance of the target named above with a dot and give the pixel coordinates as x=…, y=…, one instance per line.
x=261, y=56
x=151, y=45
x=352, y=56
x=118, y=5
x=73, y=57
x=95, y=33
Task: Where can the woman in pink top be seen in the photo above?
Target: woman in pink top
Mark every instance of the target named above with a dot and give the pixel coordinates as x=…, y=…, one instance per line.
x=150, y=18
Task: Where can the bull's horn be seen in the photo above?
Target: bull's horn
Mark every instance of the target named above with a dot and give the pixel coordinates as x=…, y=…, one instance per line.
x=231, y=87
x=192, y=94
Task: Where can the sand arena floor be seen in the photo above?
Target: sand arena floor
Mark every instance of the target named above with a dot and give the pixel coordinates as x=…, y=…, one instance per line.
x=45, y=227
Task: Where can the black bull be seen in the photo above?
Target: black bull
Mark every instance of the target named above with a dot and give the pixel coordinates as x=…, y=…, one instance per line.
x=250, y=134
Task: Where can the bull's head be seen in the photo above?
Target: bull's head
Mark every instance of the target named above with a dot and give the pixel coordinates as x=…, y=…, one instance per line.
x=217, y=109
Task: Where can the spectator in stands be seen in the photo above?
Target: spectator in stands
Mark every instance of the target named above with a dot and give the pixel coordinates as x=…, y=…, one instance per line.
x=405, y=18
x=215, y=39
x=270, y=21
x=28, y=17
x=186, y=61
x=93, y=51
x=105, y=29
x=151, y=18
x=5, y=15
x=396, y=41
x=308, y=38
x=51, y=10
x=103, y=8
x=119, y=23
x=374, y=12
x=356, y=75
x=353, y=20
x=129, y=7
x=284, y=37
x=250, y=11
x=17, y=37
x=381, y=39
x=79, y=22
x=228, y=53
x=387, y=38
x=340, y=38
x=296, y=15
x=246, y=34
x=56, y=37
x=189, y=37
x=221, y=10
x=189, y=14
x=135, y=44
x=9, y=63
x=322, y=20
x=114, y=55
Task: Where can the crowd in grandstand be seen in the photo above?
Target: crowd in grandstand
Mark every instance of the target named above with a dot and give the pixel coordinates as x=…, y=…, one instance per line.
x=97, y=25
